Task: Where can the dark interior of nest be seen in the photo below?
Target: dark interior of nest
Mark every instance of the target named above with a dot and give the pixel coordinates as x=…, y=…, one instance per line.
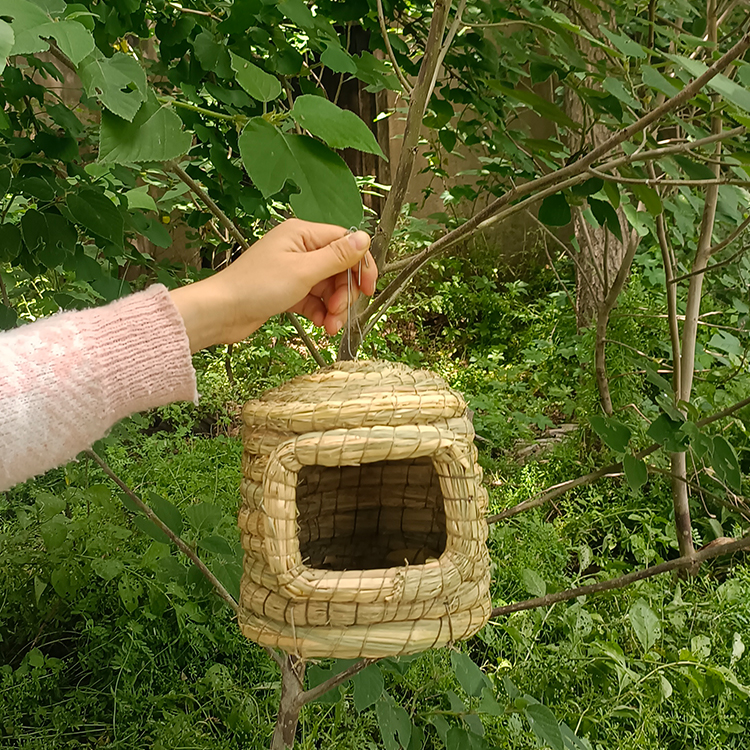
x=377, y=515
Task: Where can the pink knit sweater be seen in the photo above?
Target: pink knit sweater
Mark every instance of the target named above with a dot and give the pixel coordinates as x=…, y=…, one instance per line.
x=65, y=380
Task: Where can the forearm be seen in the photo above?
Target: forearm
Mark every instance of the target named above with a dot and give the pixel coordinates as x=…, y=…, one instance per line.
x=65, y=380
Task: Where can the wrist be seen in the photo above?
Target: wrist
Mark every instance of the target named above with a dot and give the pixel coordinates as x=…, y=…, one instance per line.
x=199, y=314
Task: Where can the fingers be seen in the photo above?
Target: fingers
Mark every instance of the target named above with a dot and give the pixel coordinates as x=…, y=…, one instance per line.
x=336, y=257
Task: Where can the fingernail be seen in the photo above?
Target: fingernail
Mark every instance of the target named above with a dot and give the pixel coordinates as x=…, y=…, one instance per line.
x=339, y=325
x=359, y=240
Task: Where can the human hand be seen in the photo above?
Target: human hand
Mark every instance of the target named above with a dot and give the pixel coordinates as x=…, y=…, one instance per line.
x=299, y=266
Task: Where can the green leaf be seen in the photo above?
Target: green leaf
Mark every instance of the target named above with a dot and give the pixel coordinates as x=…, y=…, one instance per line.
x=49, y=505
x=725, y=463
x=73, y=38
x=260, y=85
x=39, y=587
x=151, y=529
x=155, y=134
x=167, y=512
x=701, y=444
x=119, y=82
x=469, y=675
x=448, y=139
x=543, y=107
x=98, y=214
x=54, y=532
x=394, y=723
x=657, y=81
x=591, y=186
x=442, y=727
x=653, y=377
x=645, y=623
x=26, y=18
x=614, y=86
x=649, y=197
x=337, y=59
x=328, y=191
x=544, y=725
x=8, y=318
x=555, y=211
x=624, y=44
x=606, y=216
x=488, y=704
x=130, y=591
x=204, y=517
x=731, y=91
x=368, y=687
x=636, y=471
x=216, y=544
x=533, y=582
x=613, y=433
x=667, y=432
x=337, y=127
x=108, y=568
x=7, y=38
x=140, y=198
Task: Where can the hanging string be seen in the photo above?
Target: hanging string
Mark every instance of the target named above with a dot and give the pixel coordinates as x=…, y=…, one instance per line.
x=350, y=302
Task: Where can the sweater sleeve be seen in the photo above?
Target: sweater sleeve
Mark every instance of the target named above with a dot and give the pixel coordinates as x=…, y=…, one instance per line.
x=65, y=380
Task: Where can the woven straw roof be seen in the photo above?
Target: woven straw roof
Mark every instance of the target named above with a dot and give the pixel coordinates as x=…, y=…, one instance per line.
x=363, y=515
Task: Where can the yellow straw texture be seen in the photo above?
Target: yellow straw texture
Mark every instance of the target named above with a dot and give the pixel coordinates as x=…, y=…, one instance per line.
x=363, y=515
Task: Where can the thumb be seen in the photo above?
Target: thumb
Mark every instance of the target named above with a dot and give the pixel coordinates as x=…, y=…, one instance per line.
x=337, y=256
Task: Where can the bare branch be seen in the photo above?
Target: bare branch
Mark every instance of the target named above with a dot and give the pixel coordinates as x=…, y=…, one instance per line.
x=176, y=540
x=235, y=232
x=225, y=221
x=494, y=211
x=396, y=67
x=309, y=343
x=706, y=553
x=551, y=493
x=674, y=328
x=717, y=248
x=417, y=106
x=450, y=36
x=338, y=679
x=649, y=182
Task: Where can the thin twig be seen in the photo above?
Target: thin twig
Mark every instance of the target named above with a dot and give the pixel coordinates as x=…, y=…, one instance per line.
x=651, y=182
x=225, y=221
x=205, y=13
x=450, y=36
x=4, y=292
x=396, y=67
x=338, y=679
x=551, y=493
x=309, y=343
x=177, y=541
x=622, y=581
x=235, y=232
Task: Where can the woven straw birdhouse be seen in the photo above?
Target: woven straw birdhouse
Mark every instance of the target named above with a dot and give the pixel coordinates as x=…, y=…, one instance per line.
x=363, y=515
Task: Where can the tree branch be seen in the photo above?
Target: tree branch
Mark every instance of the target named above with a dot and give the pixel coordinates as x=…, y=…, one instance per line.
x=557, y=490
x=338, y=679
x=620, y=582
x=470, y=227
x=176, y=540
x=417, y=106
x=309, y=343
x=396, y=67
x=717, y=248
x=235, y=232
x=225, y=221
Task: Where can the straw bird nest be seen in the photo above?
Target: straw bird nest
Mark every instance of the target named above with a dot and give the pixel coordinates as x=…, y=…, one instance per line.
x=363, y=515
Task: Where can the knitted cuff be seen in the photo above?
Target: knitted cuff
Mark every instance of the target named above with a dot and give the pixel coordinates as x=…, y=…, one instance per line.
x=143, y=353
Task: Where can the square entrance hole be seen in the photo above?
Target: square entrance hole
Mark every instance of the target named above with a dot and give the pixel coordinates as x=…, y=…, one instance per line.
x=376, y=515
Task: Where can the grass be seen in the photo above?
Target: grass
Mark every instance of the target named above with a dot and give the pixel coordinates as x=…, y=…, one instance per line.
x=108, y=639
